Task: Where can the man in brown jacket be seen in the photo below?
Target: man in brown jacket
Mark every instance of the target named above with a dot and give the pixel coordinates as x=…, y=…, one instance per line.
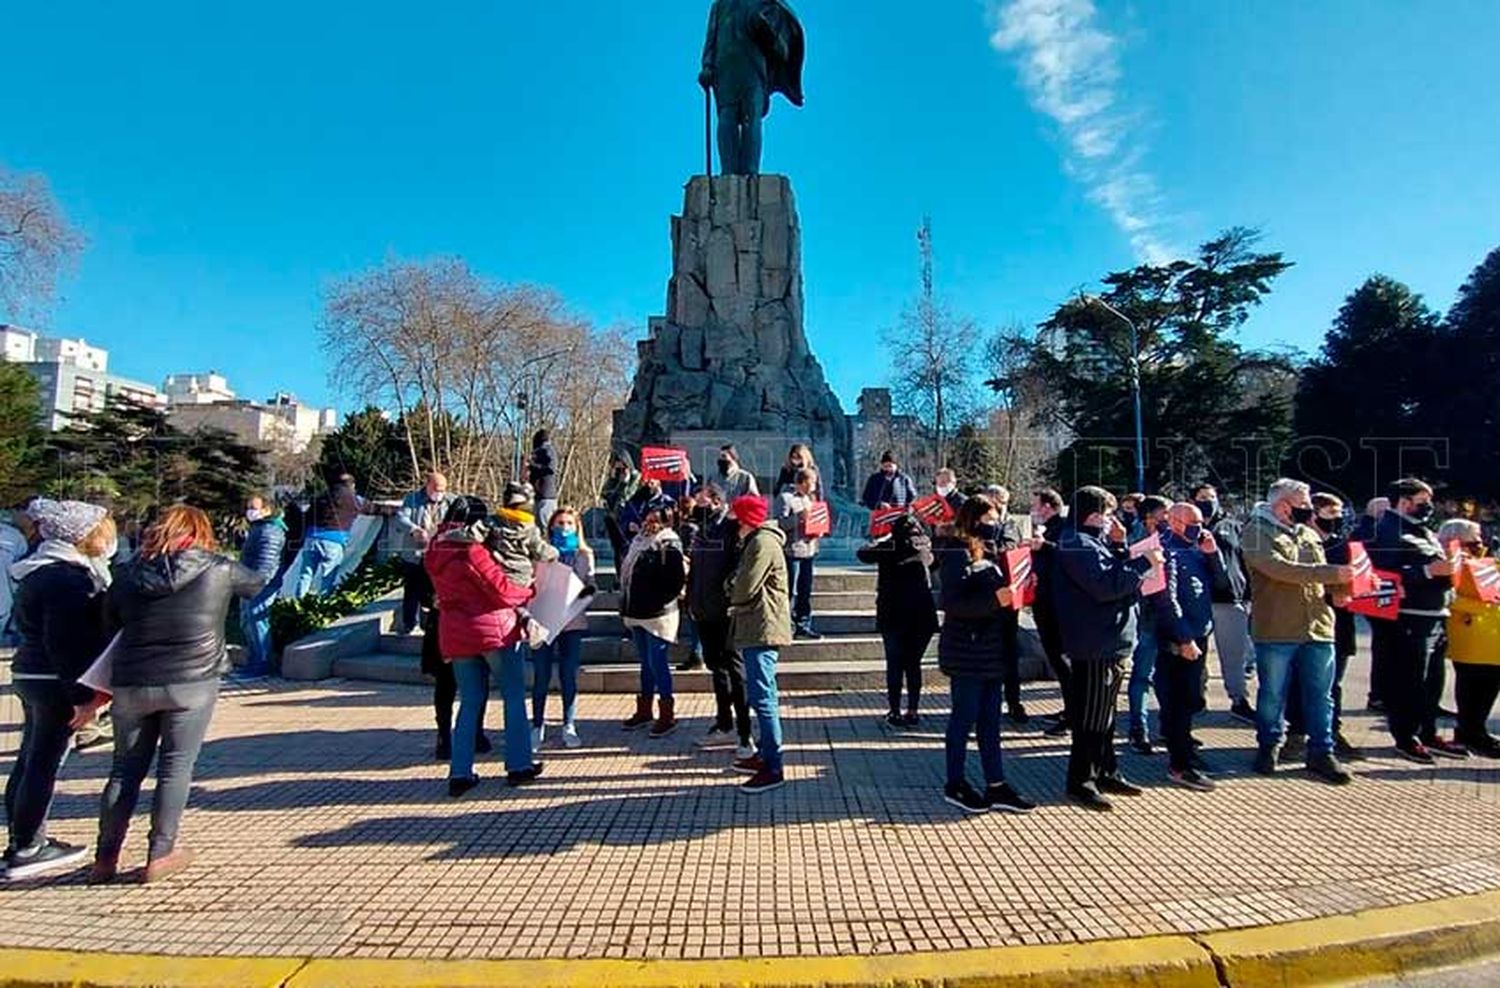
x=760, y=622
x=1292, y=625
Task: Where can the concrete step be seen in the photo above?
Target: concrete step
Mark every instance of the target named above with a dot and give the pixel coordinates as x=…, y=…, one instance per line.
x=605, y=649
x=607, y=601
x=827, y=622
x=832, y=579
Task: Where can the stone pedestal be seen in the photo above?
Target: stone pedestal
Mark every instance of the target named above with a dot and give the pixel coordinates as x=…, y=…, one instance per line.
x=730, y=358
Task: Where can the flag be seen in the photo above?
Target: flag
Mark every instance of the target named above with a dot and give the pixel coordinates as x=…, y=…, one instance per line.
x=665, y=464
x=933, y=509
x=1384, y=602
x=1022, y=577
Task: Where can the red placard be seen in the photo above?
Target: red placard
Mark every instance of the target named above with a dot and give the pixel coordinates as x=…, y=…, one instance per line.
x=934, y=509
x=1365, y=582
x=1022, y=577
x=1156, y=579
x=882, y=519
x=818, y=521
x=664, y=463
x=1479, y=578
x=1384, y=603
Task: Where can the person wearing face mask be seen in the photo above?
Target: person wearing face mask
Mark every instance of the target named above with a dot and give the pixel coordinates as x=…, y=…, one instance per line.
x=1293, y=625
x=1473, y=647
x=1231, y=596
x=760, y=625
x=1406, y=654
x=1329, y=521
x=888, y=487
x=414, y=525
x=905, y=614
x=735, y=480
x=976, y=590
x=1096, y=592
x=713, y=551
x=261, y=554
x=1004, y=536
x=565, y=650
x=1184, y=617
x=1130, y=514
x=1047, y=522
x=1151, y=520
x=59, y=618
x=945, y=483
x=798, y=457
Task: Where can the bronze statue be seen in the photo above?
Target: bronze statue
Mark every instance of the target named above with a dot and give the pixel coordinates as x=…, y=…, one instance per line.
x=754, y=48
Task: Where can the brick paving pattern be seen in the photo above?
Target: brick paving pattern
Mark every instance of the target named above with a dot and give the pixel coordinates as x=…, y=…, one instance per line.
x=324, y=829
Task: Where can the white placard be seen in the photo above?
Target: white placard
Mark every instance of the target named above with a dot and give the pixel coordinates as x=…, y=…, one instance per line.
x=98, y=676
x=558, y=597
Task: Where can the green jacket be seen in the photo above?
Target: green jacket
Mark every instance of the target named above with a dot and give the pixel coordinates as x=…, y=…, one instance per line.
x=1287, y=573
x=760, y=611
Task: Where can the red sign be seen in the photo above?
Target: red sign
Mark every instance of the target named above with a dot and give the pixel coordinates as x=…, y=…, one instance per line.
x=1365, y=582
x=882, y=519
x=1479, y=578
x=664, y=463
x=1022, y=577
x=818, y=521
x=934, y=509
x=1384, y=602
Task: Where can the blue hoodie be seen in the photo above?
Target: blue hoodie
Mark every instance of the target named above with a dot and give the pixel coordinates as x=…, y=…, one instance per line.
x=1185, y=611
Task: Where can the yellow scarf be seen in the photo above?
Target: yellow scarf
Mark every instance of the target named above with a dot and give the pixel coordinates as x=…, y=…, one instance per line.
x=517, y=516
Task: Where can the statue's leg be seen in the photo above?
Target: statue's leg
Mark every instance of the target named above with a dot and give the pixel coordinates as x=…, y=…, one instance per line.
x=729, y=139
x=750, y=144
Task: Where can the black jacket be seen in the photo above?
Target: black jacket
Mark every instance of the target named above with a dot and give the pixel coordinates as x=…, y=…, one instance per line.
x=714, y=550
x=655, y=582
x=60, y=619
x=903, y=586
x=897, y=490
x=1405, y=547
x=1095, y=592
x=973, y=639
x=1231, y=581
x=170, y=611
x=1044, y=565
x=542, y=471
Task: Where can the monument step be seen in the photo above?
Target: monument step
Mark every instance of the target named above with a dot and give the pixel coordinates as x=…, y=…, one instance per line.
x=603, y=649
x=608, y=601
x=832, y=579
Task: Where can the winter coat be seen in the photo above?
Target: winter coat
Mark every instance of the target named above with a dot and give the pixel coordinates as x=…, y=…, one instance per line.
x=634, y=511
x=541, y=472
x=739, y=483
x=652, y=576
x=1405, y=547
x=897, y=490
x=972, y=641
x=1044, y=564
x=760, y=612
x=903, y=584
x=619, y=488
x=170, y=610
x=419, y=512
x=1287, y=575
x=1184, y=612
x=59, y=618
x=791, y=512
x=788, y=478
x=1095, y=592
x=261, y=552
x=1231, y=580
x=476, y=602
x=713, y=551
x=518, y=545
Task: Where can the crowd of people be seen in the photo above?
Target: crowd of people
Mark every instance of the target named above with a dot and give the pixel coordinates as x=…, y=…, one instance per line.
x=1128, y=594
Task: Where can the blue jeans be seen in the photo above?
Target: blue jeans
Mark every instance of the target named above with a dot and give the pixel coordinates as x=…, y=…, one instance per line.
x=255, y=625
x=799, y=581
x=1142, y=668
x=760, y=691
x=566, y=651
x=513, y=699
x=321, y=559
x=473, y=677
x=1312, y=663
x=976, y=710
x=656, y=670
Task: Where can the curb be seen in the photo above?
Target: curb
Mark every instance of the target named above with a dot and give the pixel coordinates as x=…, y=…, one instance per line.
x=1371, y=944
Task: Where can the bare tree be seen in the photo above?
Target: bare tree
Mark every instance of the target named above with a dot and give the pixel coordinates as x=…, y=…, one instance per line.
x=932, y=353
x=37, y=243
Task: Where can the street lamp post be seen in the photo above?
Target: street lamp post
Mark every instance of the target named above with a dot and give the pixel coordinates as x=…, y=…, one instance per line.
x=1135, y=386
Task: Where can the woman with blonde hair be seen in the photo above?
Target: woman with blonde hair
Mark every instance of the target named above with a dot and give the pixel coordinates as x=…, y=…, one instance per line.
x=799, y=457
x=564, y=651
x=59, y=617
x=169, y=603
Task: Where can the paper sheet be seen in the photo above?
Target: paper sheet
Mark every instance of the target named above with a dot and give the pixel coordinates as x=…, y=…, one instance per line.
x=98, y=676
x=1156, y=580
x=558, y=597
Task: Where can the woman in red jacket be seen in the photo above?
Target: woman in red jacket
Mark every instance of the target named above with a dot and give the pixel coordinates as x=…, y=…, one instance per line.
x=477, y=619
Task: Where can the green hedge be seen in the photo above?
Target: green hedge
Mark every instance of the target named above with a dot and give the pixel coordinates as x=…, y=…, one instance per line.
x=294, y=619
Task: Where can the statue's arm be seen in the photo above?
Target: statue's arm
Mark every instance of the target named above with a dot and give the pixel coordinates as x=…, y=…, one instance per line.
x=706, y=73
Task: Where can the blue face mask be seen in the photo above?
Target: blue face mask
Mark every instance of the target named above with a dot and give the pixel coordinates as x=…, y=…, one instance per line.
x=564, y=541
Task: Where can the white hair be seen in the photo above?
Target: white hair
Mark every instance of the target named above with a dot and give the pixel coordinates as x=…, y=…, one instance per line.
x=1287, y=488
x=1459, y=530
x=997, y=490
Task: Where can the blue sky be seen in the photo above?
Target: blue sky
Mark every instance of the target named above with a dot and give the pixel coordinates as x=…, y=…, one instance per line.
x=226, y=161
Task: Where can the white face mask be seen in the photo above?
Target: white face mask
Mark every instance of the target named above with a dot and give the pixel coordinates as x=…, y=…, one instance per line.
x=946, y=489
x=255, y=514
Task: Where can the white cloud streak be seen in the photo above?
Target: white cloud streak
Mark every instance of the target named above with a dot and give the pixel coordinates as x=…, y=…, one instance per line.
x=1070, y=69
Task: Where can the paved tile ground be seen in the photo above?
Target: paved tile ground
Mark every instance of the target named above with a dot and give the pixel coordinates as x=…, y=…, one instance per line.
x=324, y=830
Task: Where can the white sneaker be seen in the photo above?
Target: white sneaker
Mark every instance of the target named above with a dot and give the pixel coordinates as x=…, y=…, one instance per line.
x=570, y=737
x=717, y=737
x=538, y=735
x=744, y=751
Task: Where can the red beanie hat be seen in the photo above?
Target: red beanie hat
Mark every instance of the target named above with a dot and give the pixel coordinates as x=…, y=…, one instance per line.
x=750, y=510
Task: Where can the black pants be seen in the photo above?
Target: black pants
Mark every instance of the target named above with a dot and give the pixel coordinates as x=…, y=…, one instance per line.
x=1093, y=701
x=1409, y=662
x=1295, y=722
x=1010, y=655
x=903, y=665
x=46, y=708
x=1475, y=687
x=1051, y=638
x=1179, y=689
x=727, y=669
x=416, y=588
